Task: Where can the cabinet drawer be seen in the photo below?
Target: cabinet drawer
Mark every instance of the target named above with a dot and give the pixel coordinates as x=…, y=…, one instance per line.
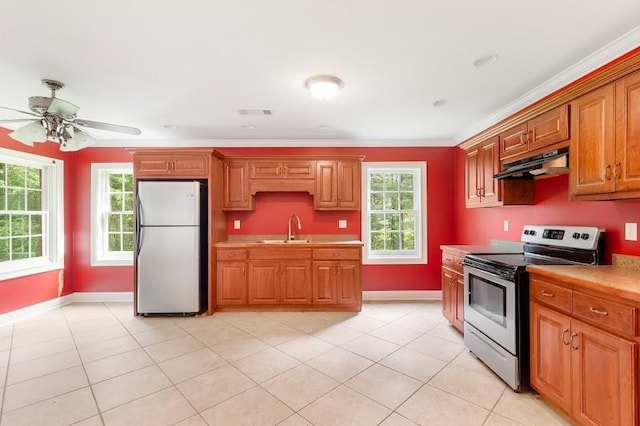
x=337, y=254
x=280, y=253
x=233, y=254
x=447, y=259
x=610, y=314
x=550, y=294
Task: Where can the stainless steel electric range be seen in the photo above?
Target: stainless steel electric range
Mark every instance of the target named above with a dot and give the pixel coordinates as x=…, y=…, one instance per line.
x=496, y=289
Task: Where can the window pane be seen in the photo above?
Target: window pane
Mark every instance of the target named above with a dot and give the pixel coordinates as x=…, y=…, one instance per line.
x=408, y=241
x=4, y=250
x=15, y=199
x=16, y=175
x=19, y=225
x=393, y=221
x=377, y=221
x=377, y=241
x=20, y=248
x=36, y=224
x=128, y=183
x=114, y=223
x=391, y=201
x=34, y=200
x=114, y=242
x=127, y=222
x=392, y=241
x=3, y=179
x=128, y=202
x=3, y=198
x=36, y=246
x=34, y=178
x=376, y=201
x=408, y=221
x=127, y=242
x=406, y=200
x=377, y=182
x=116, y=202
x=406, y=182
x=4, y=225
x=391, y=182
x=115, y=182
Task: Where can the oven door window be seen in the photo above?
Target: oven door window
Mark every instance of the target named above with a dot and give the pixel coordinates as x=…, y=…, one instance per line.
x=488, y=299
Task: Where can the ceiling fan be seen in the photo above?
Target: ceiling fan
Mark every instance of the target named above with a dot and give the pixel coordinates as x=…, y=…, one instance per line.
x=55, y=119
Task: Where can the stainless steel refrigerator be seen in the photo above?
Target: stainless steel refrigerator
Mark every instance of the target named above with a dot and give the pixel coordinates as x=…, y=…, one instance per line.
x=168, y=262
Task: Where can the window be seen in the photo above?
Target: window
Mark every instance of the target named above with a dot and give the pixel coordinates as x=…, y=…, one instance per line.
x=112, y=214
x=394, y=212
x=31, y=214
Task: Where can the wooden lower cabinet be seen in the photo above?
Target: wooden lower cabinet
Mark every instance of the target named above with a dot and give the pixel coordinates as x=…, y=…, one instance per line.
x=232, y=283
x=589, y=373
x=264, y=285
x=453, y=290
x=336, y=282
x=279, y=282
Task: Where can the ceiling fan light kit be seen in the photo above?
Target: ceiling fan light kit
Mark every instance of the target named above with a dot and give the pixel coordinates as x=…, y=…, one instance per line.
x=55, y=119
x=324, y=86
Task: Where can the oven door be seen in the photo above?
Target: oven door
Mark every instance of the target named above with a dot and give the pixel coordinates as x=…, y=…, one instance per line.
x=489, y=306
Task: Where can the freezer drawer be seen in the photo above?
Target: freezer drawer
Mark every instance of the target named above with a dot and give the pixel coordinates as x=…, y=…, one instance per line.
x=168, y=270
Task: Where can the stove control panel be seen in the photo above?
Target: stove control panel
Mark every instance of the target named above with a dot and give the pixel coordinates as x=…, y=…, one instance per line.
x=580, y=237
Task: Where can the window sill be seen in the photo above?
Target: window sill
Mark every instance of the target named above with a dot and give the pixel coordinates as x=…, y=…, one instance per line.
x=30, y=270
x=112, y=262
x=394, y=261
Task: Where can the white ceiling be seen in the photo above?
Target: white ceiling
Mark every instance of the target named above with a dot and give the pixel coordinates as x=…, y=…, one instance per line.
x=194, y=63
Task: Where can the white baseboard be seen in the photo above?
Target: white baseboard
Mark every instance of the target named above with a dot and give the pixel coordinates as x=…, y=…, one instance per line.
x=39, y=308
x=398, y=295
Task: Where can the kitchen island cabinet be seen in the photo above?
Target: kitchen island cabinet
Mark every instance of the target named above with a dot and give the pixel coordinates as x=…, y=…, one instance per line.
x=584, y=342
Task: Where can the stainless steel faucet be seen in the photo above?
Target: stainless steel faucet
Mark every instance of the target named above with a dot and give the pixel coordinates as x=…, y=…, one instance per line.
x=290, y=235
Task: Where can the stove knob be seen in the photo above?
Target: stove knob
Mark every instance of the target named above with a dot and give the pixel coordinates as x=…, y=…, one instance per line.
x=532, y=232
x=584, y=236
x=576, y=235
x=526, y=232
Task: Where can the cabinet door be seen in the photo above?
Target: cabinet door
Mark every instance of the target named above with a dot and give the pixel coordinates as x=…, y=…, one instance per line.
x=191, y=165
x=296, y=282
x=262, y=169
x=473, y=178
x=490, y=189
x=298, y=169
x=548, y=128
x=348, y=284
x=326, y=195
x=236, y=194
x=513, y=141
x=154, y=165
x=627, y=166
x=232, y=283
x=348, y=185
x=324, y=282
x=551, y=355
x=458, y=319
x=448, y=295
x=604, y=377
x=592, y=143
x=264, y=282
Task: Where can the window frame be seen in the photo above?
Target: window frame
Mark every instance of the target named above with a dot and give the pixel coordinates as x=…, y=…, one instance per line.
x=419, y=256
x=99, y=198
x=53, y=220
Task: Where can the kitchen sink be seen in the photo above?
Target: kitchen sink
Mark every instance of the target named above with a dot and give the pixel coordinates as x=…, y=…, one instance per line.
x=283, y=241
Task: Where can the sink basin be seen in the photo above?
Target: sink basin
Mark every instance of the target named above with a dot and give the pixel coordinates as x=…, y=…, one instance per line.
x=283, y=241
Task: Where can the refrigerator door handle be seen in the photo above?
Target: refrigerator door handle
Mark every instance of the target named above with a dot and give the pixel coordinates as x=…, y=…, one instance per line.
x=138, y=208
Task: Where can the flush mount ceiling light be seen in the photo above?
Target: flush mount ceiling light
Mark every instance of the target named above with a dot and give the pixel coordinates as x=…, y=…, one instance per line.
x=485, y=60
x=440, y=102
x=323, y=86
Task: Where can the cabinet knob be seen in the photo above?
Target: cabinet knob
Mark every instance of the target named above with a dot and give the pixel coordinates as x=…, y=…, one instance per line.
x=546, y=294
x=617, y=170
x=565, y=341
x=573, y=339
x=598, y=311
x=607, y=172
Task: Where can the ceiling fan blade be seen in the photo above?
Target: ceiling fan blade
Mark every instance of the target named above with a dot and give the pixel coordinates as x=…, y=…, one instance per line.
x=62, y=108
x=19, y=110
x=17, y=120
x=106, y=126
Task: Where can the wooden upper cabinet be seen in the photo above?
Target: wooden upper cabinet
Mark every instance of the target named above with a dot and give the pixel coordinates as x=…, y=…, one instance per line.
x=627, y=166
x=286, y=169
x=236, y=195
x=542, y=131
x=337, y=185
x=168, y=164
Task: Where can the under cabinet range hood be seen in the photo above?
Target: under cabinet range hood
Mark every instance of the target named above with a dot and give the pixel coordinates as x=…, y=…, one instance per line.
x=551, y=162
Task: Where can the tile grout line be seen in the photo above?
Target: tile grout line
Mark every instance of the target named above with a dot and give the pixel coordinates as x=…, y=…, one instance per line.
x=6, y=375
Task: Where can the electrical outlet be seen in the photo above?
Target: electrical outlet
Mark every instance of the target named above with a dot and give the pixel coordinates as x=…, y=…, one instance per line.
x=631, y=231
x=505, y=226
x=342, y=224
x=236, y=224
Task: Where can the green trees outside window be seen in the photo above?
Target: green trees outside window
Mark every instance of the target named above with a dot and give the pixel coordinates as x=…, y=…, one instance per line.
x=21, y=212
x=120, y=213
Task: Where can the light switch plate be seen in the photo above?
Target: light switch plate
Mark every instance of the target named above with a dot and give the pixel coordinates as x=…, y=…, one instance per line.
x=236, y=224
x=505, y=226
x=631, y=231
x=342, y=223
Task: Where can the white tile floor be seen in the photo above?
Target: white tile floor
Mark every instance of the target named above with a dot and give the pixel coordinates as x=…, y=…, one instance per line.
x=391, y=364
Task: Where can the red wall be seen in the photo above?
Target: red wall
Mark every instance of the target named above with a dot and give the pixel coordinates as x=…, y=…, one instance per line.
x=552, y=206
x=272, y=211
